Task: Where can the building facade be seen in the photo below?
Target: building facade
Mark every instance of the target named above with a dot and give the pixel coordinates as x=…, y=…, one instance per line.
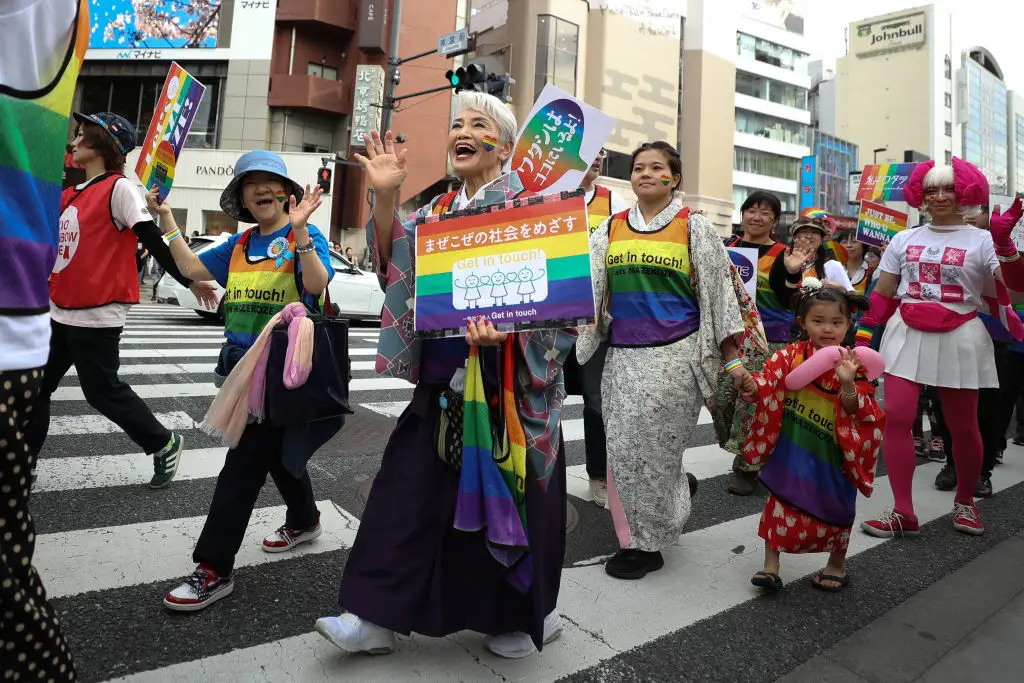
x=895, y=88
x=826, y=184
x=983, y=113
x=279, y=75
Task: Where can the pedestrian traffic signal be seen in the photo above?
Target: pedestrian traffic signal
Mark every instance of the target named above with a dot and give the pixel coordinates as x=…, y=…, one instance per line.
x=323, y=179
x=500, y=85
x=470, y=77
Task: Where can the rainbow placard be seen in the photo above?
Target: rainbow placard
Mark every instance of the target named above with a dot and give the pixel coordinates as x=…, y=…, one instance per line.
x=561, y=137
x=884, y=182
x=177, y=106
x=878, y=224
x=524, y=266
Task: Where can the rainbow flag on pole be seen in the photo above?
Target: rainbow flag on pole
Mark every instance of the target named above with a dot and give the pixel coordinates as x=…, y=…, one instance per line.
x=177, y=106
x=884, y=182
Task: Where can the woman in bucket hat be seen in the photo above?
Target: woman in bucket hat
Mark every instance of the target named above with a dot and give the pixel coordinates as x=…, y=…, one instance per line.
x=95, y=281
x=261, y=268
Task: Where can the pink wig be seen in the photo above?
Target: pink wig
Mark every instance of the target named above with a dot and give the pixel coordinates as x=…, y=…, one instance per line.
x=913, y=193
x=969, y=183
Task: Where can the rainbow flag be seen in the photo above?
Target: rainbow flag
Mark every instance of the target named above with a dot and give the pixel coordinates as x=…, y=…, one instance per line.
x=177, y=106
x=521, y=265
x=492, y=483
x=35, y=130
x=884, y=182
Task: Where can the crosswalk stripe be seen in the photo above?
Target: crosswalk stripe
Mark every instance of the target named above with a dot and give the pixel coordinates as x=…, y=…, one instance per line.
x=604, y=616
x=137, y=341
x=395, y=408
x=120, y=556
x=64, y=425
x=201, y=332
x=183, y=389
x=102, y=471
x=198, y=369
x=210, y=352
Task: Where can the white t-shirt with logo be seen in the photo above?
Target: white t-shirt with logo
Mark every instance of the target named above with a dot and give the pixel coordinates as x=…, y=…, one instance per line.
x=128, y=209
x=953, y=268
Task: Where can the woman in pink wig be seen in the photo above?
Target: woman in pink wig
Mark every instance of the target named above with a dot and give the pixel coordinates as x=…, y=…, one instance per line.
x=934, y=280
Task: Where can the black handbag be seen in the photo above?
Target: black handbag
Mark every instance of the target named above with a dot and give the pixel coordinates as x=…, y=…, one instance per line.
x=324, y=395
x=448, y=430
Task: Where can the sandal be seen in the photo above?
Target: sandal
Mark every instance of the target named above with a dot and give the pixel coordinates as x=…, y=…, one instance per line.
x=769, y=580
x=817, y=579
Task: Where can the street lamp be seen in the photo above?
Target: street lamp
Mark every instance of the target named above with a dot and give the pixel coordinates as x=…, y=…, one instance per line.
x=880, y=149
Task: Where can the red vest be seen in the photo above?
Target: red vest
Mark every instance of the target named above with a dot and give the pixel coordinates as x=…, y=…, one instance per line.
x=95, y=261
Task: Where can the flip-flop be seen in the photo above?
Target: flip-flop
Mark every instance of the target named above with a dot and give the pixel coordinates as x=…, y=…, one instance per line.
x=769, y=580
x=843, y=581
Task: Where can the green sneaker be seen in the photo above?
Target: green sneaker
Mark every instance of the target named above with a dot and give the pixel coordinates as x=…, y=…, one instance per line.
x=165, y=462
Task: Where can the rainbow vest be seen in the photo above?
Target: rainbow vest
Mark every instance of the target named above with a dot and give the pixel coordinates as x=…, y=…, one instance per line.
x=257, y=289
x=599, y=208
x=806, y=467
x=776, y=318
x=652, y=301
x=32, y=140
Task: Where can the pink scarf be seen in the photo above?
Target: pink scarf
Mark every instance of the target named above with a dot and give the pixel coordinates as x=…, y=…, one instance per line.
x=243, y=392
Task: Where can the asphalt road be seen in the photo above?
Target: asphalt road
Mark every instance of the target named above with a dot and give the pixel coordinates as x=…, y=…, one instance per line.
x=109, y=548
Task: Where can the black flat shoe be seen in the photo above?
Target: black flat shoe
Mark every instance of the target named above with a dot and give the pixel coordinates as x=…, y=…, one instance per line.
x=633, y=564
x=692, y=481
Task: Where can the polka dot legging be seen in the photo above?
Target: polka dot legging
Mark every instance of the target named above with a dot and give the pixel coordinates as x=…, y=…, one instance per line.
x=32, y=646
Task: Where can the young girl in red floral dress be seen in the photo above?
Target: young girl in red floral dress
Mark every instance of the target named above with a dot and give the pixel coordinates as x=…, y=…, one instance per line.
x=820, y=440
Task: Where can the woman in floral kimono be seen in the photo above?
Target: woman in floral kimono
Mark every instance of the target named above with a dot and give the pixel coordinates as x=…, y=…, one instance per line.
x=410, y=569
x=668, y=307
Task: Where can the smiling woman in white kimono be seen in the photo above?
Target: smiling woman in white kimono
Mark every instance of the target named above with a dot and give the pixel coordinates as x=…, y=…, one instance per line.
x=667, y=305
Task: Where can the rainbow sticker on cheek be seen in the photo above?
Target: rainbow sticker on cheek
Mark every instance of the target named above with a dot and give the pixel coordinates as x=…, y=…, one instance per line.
x=489, y=143
x=281, y=197
x=666, y=180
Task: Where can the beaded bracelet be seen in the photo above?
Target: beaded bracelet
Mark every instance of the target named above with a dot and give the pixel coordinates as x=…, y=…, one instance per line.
x=732, y=365
x=172, y=234
x=852, y=395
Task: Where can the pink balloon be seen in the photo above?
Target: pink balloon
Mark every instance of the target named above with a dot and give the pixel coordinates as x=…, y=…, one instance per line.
x=825, y=359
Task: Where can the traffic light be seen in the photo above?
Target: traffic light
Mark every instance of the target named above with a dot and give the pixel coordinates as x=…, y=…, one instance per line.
x=471, y=77
x=323, y=179
x=500, y=85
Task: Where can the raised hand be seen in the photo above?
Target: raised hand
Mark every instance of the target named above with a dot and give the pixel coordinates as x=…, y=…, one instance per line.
x=299, y=213
x=797, y=258
x=847, y=366
x=385, y=167
x=1002, y=224
x=205, y=293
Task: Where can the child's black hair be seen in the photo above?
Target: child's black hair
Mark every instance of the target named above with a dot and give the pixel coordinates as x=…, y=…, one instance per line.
x=850, y=302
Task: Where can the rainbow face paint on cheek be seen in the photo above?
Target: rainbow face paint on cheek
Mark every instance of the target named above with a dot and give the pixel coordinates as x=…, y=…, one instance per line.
x=665, y=179
x=490, y=143
x=281, y=197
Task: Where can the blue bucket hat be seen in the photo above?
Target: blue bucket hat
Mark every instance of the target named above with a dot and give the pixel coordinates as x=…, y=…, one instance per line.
x=117, y=127
x=256, y=160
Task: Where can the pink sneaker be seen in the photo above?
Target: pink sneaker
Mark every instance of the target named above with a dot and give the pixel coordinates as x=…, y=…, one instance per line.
x=966, y=519
x=890, y=525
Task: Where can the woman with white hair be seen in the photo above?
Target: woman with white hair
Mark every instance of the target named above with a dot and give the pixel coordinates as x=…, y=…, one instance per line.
x=934, y=280
x=410, y=569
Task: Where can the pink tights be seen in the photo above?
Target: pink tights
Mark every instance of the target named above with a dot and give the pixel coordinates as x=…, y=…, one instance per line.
x=960, y=410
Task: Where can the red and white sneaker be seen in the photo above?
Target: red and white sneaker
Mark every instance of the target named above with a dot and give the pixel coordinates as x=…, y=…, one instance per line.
x=284, y=539
x=966, y=519
x=201, y=588
x=890, y=525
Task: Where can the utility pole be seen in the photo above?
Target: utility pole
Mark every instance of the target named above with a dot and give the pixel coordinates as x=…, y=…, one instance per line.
x=393, y=63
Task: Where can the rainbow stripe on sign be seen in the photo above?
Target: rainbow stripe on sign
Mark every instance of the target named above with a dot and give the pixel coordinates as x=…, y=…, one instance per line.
x=525, y=266
x=177, y=106
x=884, y=182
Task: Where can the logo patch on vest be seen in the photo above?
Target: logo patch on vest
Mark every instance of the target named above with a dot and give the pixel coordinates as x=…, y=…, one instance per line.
x=67, y=242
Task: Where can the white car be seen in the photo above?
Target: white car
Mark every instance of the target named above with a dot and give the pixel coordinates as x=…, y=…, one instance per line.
x=356, y=293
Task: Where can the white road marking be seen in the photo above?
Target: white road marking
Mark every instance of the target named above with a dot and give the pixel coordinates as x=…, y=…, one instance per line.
x=62, y=425
x=192, y=389
x=101, y=471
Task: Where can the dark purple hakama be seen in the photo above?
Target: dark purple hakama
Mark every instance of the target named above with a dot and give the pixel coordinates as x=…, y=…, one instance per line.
x=410, y=570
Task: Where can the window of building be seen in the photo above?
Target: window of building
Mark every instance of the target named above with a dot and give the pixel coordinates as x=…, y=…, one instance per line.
x=949, y=67
x=740, y=194
x=557, y=50
x=949, y=157
x=135, y=98
x=949, y=129
x=618, y=165
x=316, y=149
x=772, y=91
x=764, y=51
x=770, y=127
x=321, y=71
x=764, y=163
x=949, y=100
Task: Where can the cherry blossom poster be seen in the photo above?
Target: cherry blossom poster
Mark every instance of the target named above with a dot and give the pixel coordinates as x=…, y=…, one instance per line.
x=561, y=137
x=154, y=24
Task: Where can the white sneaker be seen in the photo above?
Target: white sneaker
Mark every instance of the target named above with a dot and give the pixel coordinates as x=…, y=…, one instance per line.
x=517, y=645
x=599, y=492
x=352, y=634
